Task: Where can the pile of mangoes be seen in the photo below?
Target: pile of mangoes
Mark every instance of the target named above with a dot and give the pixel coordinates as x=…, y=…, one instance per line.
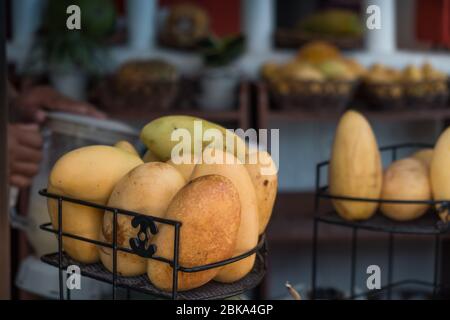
x=318, y=62
x=413, y=81
x=356, y=170
x=223, y=207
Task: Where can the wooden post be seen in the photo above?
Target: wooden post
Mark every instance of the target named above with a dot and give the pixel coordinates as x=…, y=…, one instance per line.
x=5, y=254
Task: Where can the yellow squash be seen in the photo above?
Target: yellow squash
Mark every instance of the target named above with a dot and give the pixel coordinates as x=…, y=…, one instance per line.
x=355, y=168
x=440, y=172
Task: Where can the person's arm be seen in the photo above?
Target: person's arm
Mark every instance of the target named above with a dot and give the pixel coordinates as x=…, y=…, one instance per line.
x=35, y=102
x=24, y=152
x=25, y=140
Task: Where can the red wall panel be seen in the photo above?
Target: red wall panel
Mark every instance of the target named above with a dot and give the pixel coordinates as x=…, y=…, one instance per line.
x=432, y=21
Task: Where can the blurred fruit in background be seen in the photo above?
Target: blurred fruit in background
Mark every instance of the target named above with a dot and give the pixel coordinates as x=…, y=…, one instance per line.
x=336, y=69
x=318, y=51
x=411, y=73
x=381, y=73
x=413, y=86
x=357, y=68
x=317, y=61
x=318, y=78
x=185, y=26
x=341, y=27
x=333, y=22
x=139, y=77
x=430, y=73
x=224, y=16
x=296, y=70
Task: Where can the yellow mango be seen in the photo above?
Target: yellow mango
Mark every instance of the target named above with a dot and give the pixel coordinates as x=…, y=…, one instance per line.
x=126, y=146
x=355, y=168
x=148, y=190
x=247, y=237
x=265, y=181
x=90, y=174
x=440, y=172
x=209, y=210
x=405, y=179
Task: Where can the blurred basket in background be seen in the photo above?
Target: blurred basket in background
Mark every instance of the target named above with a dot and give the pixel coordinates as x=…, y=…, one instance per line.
x=413, y=87
x=314, y=96
x=426, y=94
x=151, y=84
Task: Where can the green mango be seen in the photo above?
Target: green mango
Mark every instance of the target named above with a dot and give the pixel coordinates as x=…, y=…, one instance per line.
x=157, y=135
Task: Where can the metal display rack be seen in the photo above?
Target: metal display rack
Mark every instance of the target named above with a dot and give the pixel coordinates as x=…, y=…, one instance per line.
x=140, y=246
x=428, y=225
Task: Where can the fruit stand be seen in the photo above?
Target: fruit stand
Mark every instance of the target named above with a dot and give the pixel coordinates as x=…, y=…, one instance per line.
x=151, y=224
x=428, y=225
x=110, y=99
x=146, y=225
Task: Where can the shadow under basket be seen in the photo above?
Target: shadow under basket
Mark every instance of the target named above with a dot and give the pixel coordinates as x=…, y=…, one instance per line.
x=141, y=247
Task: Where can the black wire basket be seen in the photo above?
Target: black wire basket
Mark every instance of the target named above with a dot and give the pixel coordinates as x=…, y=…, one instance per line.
x=140, y=246
x=427, y=225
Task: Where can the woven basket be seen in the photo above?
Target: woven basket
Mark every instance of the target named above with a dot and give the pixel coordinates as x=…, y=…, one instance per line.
x=158, y=96
x=317, y=96
x=427, y=94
